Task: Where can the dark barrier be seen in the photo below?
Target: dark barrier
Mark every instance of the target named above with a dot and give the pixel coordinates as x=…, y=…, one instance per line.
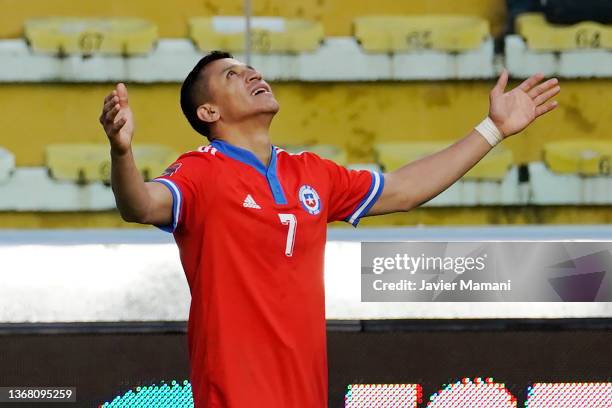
x=106, y=360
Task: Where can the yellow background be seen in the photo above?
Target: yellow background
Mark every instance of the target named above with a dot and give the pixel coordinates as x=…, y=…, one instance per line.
x=351, y=115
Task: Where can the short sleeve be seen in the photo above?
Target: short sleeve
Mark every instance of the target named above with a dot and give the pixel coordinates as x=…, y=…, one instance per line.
x=181, y=179
x=352, y=192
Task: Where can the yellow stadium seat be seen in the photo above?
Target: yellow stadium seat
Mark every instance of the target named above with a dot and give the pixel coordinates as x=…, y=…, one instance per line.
x=583, y=157
x=109, y=36
x=543, y=36
x=330, y=152
x=393, y=155
x=269, y=34
x=83, y=163
x=409, y=33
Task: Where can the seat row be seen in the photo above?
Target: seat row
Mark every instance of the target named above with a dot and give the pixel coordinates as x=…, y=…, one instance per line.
x=574, y=172
x=381, y=34
x=84, y=163
x=381, y=48
x=131, y=36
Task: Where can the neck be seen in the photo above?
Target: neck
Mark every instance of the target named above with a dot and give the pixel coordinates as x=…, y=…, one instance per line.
x=252, y=135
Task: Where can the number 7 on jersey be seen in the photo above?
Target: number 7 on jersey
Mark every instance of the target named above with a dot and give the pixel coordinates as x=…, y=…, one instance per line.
x=291, y=221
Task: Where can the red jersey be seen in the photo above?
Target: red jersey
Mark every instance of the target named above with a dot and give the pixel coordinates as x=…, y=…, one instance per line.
x=251, y=241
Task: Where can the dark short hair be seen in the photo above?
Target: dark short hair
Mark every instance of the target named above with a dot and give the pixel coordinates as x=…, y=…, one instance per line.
x=190, y=95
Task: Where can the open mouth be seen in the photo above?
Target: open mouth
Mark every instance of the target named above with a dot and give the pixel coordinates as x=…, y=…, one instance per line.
x=259, y=91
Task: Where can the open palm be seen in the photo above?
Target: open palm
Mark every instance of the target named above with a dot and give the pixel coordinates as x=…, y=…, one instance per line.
x=514, y=110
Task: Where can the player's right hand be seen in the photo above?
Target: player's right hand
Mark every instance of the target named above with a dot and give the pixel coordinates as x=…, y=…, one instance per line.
x=117, y=119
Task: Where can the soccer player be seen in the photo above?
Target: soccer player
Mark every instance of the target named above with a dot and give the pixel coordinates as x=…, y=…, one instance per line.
x=250, y=222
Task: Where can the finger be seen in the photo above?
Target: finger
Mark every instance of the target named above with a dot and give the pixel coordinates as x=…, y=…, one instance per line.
x=502, y=81
x=543, y=87
x=529, y=83
x=122, y=93
x=110, y=103
x=112, y=114
x=540, y=99
x=118, y=124
x=110, y=96
x=542, y=109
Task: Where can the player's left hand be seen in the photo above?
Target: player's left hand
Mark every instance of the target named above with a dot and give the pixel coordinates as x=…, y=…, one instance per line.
x=514, y=110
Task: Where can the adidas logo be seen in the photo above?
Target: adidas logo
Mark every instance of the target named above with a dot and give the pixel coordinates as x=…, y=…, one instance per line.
x=250, y=203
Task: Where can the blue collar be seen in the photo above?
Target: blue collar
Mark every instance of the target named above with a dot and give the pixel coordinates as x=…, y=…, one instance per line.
x=248, y=158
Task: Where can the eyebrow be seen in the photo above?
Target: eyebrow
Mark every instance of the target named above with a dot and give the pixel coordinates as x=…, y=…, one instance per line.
x=234, y=66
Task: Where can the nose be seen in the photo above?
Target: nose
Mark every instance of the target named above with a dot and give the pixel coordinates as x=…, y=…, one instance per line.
x=253, y=75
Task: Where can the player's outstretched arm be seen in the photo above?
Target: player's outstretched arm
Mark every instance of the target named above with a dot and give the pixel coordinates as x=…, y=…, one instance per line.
x=510, y=112
x=137, y=201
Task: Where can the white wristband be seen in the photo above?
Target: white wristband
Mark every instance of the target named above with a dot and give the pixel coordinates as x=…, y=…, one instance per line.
x=489, y=131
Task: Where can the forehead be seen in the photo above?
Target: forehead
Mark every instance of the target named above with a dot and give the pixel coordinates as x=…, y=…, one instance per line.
x=219, y=66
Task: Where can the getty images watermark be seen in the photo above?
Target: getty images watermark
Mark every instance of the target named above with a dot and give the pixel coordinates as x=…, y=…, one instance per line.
x=486, y=271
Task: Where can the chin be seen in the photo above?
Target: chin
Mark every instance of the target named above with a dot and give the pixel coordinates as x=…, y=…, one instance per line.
x=270, y=107
x=275, y=108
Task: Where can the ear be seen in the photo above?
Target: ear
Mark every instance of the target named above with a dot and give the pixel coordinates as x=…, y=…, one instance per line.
x=208, y=113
